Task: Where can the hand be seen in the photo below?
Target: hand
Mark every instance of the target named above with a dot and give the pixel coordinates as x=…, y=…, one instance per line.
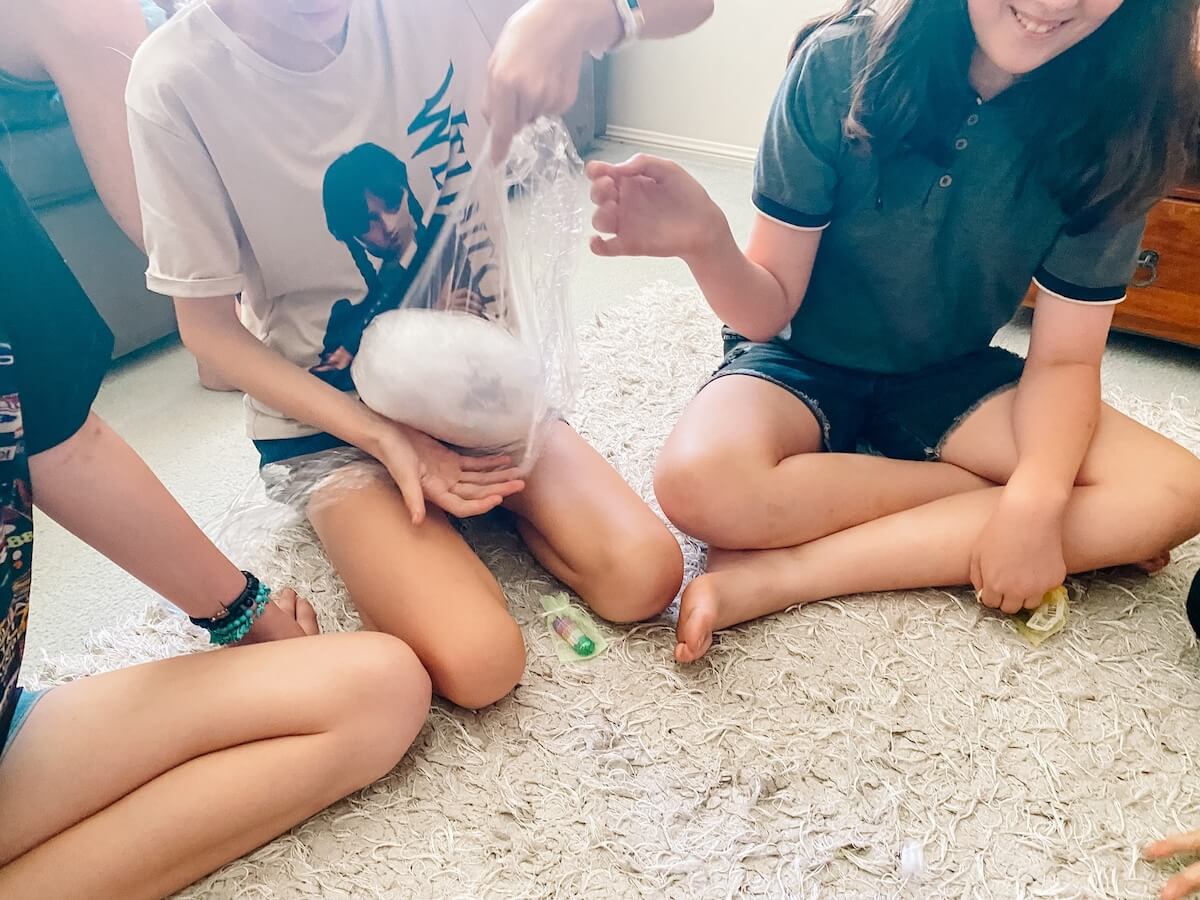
x=288, y=615
x=534, y=69
x=1018, y=557
x=425, y=469
x=1186, y=882
x=652, y=207
x=339, y=360
x=464, y=301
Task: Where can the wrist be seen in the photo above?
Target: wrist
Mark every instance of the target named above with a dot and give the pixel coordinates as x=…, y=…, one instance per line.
x=1038, y=494
x=238, y=615
x=369, y=431
x=713, y=244
x=601, y=27
x=595, y=25
x=216, y=591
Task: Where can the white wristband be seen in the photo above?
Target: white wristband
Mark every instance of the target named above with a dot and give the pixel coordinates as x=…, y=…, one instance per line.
x=633, y=22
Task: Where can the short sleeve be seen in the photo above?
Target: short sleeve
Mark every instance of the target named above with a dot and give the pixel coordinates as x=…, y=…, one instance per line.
x=60, y=345
x=188, y=220
x=796, y=175
x=1095, y=266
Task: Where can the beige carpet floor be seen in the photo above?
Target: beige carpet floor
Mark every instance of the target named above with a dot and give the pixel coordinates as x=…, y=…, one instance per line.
x=796, y=760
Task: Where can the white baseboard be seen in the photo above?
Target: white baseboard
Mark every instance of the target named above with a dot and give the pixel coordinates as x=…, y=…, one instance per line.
x=676, y=142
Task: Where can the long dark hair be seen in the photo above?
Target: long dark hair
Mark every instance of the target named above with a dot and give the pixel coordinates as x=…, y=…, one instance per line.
x=1111, y=125
x=368, y=168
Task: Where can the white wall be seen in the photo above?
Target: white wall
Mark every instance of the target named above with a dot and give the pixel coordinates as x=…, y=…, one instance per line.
x=709, y=90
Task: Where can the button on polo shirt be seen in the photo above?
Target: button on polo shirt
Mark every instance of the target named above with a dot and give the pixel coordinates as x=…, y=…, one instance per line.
x=919, y=262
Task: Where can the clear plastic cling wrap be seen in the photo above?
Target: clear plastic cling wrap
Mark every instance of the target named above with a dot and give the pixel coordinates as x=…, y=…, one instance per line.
x=470, y=341
x=478, y=353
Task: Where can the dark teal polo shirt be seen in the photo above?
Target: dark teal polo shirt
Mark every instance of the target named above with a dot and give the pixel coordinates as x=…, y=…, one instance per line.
x=919, y=263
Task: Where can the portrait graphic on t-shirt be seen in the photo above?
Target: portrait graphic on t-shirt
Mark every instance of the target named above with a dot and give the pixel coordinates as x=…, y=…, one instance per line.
x=371, y=208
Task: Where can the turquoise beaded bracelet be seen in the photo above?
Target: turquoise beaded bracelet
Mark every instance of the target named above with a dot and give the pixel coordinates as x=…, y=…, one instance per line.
x=235, y=622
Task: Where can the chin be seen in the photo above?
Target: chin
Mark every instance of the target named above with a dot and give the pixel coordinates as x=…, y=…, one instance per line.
x=1017, y=61
x=324, y=26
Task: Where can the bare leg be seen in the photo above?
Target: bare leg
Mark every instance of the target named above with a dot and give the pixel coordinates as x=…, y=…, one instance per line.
x=588, y=527
x=136, y=783
x=424, y=585
x=742, y=470
x=1138, y=493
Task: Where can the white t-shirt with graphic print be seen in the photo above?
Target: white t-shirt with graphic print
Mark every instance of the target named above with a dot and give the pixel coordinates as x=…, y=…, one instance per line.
x=244, y=167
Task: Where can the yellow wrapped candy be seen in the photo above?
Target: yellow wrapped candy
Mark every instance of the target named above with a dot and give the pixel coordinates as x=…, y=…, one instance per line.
x=1038, y=625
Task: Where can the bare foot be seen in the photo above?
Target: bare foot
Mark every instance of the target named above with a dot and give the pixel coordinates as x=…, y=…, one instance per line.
x=698, y=608
x=1155, y=564
x=740, y=585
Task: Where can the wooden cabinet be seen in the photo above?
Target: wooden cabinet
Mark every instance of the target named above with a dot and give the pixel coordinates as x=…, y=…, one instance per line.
x=1164, y=301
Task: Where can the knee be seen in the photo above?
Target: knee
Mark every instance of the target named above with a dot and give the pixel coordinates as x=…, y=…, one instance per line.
x=638, y=576
x=1167, y=487
x=480, y=663
x=700, y=490
x=1182, y=484
x=385, y=694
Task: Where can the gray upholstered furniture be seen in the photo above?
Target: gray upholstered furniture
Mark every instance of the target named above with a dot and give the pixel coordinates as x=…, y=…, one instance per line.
x=39, y=151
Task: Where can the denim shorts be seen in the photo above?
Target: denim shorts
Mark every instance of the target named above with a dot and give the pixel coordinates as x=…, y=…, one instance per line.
x=902, y=416
x=26, y=701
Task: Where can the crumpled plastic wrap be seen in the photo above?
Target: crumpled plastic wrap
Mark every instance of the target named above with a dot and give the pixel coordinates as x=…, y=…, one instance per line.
x=478, y=352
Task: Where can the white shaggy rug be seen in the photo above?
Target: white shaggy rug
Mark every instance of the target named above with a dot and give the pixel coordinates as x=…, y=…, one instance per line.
x=796, y=760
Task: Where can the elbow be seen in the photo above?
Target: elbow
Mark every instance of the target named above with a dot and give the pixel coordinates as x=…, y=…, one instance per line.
x=195, y=338
x=760, y=331
x=760, y=335
x=205, y=327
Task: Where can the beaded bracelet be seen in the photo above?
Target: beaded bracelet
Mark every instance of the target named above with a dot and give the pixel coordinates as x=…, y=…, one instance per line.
x=235, y=620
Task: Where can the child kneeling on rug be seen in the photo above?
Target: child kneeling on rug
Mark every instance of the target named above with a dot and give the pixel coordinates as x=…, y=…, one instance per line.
x=137, y=782
x=923, y=163
x=240, y=111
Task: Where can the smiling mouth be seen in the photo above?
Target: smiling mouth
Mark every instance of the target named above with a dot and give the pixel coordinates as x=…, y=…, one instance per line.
x=1036, y=27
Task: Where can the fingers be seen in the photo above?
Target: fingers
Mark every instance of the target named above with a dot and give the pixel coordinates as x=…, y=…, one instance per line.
x=504, y=114
x=490, y=478
x=1011, y=604
x=604, y=189
x=286, y=599
x=608, y=247
x=483, y=491
x=465, y=509
x=483, y=463
x=306, y=617
x=989, y=597
x=605, y=197
x=1176, y=843
x=1034, y=601
x=1185, y=884
x=606, y=219
x=643, y=164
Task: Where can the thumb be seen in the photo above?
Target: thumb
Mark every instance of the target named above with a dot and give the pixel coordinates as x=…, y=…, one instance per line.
x=644, y=165
x=501, y=143
x=610, y=247
x=409, y=482
x=976, y=572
